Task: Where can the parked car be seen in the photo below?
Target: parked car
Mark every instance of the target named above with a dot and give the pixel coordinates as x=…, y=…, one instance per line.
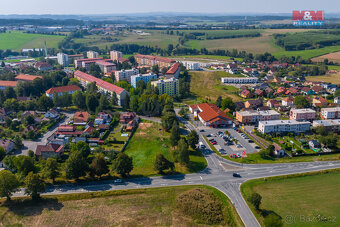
x=236, y=175
x=257, y=147
x=118, y=181
x=202, y=130
x=250, y=141
x=208, y=135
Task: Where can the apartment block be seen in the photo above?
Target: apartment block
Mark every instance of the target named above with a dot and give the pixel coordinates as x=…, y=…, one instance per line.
x=115, y=55
x=167, y=86
x=282, y=126
x=330, y=113
x=63, y=59
x=145, y=77
x=253, y=116
x=302, y=114
x=239, y=80
x=125, y=74
x=92, y=54
x=106, y=66
x=330, y=125
x=153, y=60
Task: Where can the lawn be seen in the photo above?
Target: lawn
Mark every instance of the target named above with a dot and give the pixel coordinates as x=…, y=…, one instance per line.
x=207, y=85
x=150, y=140
x=306, y=54
x=207, y=58
x=299, y=199
x=116, y=139
x=331, y=78
x=16, y=40
x=137, y=207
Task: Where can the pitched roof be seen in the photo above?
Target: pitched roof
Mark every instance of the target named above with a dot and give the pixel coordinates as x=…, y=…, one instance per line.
x=99, y=82
x=209, y=112
x=4, y=83
x=63, y=89
x=173, y=69
x=317, y=88
x=5, y=143
x=26, y=77
x=81, y=116
x=48, y=148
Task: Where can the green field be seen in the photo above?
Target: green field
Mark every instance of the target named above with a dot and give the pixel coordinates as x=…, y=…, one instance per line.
x=136, y=207
x=150, y=140
x=207, y=85
x=299, y=199
x=16, y=40
x=305, y=54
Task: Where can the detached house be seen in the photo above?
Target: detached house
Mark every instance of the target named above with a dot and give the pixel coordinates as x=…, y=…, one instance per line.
x=49, y=150
x=288, y=101
x=7, y=145
x=246, y=94
x=253, y=103
x=307, y=91
x=272, y=103
x=320, y=102
x=81, y=118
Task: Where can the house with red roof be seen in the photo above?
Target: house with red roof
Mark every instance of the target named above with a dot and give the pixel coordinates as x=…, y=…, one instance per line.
x=317, y=89
x=103, y=86
x=288, y=101
x=259, y=92
x=210, y=115
x=320, y=102
x=58, y=91
x=49, y=150
x=272, y=103
x=81, y=118
x=42, y=66
x=153, y=60
x=173, y=71
x=26, y=78
x=246, y=94
x=4, y=84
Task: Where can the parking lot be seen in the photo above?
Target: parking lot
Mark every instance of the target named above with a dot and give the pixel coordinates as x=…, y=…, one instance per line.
x=224, y=146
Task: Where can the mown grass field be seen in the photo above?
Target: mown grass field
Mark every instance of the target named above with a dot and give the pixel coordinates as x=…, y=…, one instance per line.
x=137, y=207
x=299, y=199
x=150, y=140
x=305, y=54
x=16, y=40
x=207, y=85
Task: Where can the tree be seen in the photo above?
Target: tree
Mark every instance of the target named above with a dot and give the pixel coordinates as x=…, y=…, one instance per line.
x=122, y=164
x=155, y=69
x=161, y=164
x=228, y=103
x=76, y=165
x=91, y=102
x=321, y=130
x=82, y=147
x=8, y=184
x=99, y=165
x=337, y=93
x=24, y=164
x=29, y=120
x=175, y=135
x=34, y=185
x=78, y=99
x=103, y=103
x=182, y=153
x=44, y=103
x=114, y=99
x=255, y=199
x=2, y=153
x=51, y=169
x=301, y=101
x=218, y=102
x=168, y=120
x=273, y=220
x=193, y=139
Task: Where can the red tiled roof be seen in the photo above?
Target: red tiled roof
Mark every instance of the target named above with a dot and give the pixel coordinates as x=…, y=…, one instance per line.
x=288, y=99
x=49, y=148
x=99, y=82
x=81, y=116
x=26, y=77
x=122, y=60
x=209, y=112
x=173, y=69
x=161, y=59
x=63, y=89
x=4, y=83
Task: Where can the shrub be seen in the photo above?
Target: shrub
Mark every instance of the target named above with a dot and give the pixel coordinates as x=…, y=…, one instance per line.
x=201, y=205
x=273, y=220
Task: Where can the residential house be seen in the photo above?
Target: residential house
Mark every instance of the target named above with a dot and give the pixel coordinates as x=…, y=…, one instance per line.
x=320, y=102
x=307, y=91
x=246, y=94
x=288, y=101
x=105, y=116
x=272, y=103
x=314, y=144
x=26, y=78
x=302, y=114
x=42, y=66
x=239, y=105
x=337, y=100
x=253, y=103
x=52, y=114
x=49, y=150
x=279, y=152
x=127, y=117
x=7, y=145
x=81, y=118
x=281, y=90
x=88, y=131
x=259, y=92
x=317, y=89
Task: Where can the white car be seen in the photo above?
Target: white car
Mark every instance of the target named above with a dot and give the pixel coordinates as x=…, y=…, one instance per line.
x=118, y=181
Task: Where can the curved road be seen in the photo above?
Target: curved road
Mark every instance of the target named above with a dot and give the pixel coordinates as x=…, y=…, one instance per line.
x=218, y=174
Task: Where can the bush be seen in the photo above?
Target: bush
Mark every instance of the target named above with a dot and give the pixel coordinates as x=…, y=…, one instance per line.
x=273, y=220
x=201, y=205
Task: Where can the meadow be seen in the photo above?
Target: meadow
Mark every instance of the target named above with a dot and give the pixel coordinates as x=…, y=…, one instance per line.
x=150, y=140
x=207, y=85
x=136, y=207
x=310, y=195
x=330, y=78
x=17, y=40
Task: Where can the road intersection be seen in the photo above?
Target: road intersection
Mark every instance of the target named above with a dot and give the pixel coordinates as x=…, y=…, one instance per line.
x=218, y=174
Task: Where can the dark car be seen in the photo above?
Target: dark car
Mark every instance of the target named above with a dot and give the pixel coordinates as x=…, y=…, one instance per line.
x=202, y=130
x=257, y=147
x=236, y=175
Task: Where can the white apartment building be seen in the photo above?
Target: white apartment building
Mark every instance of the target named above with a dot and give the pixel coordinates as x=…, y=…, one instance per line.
x=92, y=54
x=330, y=113
x=279, y=126
x=115, y=55
x=239, y=80
x=253, y=116
x=191, y=65
x=63, y=59
x=167, y=86
x=125, y=74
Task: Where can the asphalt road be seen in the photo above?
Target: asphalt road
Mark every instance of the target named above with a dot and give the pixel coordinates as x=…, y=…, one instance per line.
x=218, y=174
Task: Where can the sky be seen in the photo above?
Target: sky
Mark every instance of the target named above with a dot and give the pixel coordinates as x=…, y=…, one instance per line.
x=144, y=6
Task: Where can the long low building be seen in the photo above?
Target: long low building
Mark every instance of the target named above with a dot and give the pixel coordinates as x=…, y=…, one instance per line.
x=279, y=126
x=145, y=77
x=103, y=86
x=4, y=84
x=330, y=113
x=302, y=114
x=239, y=80
x=153, y=60
x=58, y=91
x=210, y=115
x=330, y=125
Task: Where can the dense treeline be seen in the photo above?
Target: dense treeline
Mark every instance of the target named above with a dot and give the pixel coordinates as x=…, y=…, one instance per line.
x=40, y=22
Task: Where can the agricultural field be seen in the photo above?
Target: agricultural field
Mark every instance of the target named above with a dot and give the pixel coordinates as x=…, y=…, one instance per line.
x=286, y=196
x=207, y=85
x=137, y=207
x=306, y=54
x=329, y=78
x=334, y=57
x=150, y=140
x=16, y=40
